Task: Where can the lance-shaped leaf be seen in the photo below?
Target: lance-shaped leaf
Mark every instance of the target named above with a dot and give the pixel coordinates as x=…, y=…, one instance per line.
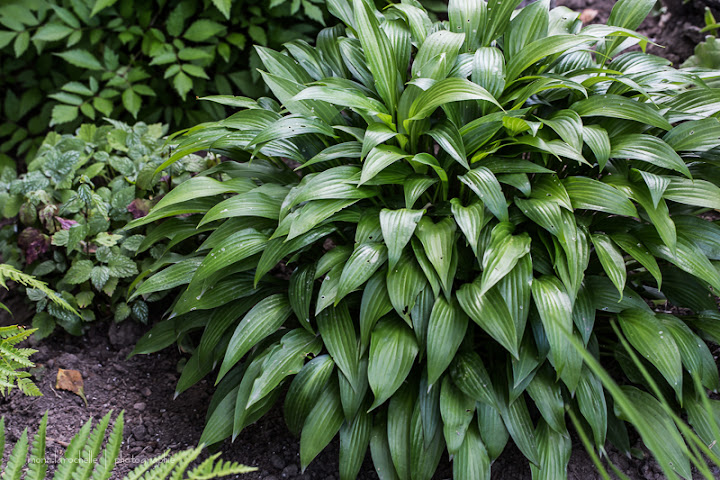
x=322, y=424
x=404, y=283
x=611, y=259
x=694, y=351
x=284, y=361
x=446, y=91
x=482, y=181
x=378, y=159
x=470, y=219
x=400, y=410
x=305, y=390
x=647, y=148
x=648, y=336
x=490, y=311
x=520, y=427
x=375, y=304
x=457, y=411
x=446, y=330
x=300, y=293
x=338, y=334
x=448, y=137
x=469, y=374
x=594, y=195
x=592, y=405
x=378, y=52
x=393, y=349
x=354, y=441
x=438, y=240
x=398, y=227
x=492, y=429
x=502, y=255
x=555, y=308
x=236, y=247
x=262, y=320
x=547, y=396
x=364, y=261
x=553, y=453
x=616, y=106
x=540, y=49
x=472, y=461
x=379, y=448
x=700, y=193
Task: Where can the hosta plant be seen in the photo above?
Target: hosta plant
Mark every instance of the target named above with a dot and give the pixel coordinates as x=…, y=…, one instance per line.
x=91, y=455
x=444, y=235
x=65, y=212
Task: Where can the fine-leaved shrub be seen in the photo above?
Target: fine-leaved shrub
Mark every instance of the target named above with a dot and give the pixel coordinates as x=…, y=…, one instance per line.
x=78, y=191
x=70, y=61
x=90, y=455
x=444, y=236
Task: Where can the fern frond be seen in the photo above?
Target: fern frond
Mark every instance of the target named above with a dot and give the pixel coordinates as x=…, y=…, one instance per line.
x=38, y=464
x=28, y=387
x=68, y=464
x=17, y=458
x=139, y=471
x=92, y=449
x=78, y=463
x=8, y=272
x=214, y=468
x=105, y=466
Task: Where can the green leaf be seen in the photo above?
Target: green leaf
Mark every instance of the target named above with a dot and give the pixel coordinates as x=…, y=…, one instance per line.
x=592, y=405
x=63, y=114
x=553, y=453
x=378, y=160
x=398, y=227
x=364, y=261
x=501, y=255
x=591, y=194
x=404, y=283
x=438, y=240
x=446, y=330
x=490, y=311
x=539, y=49
x=52, y=32
x=354, y=440
x=300, y=293
x=555, y=308
x=492, y=429
x=393, y=349
x=447, y=91
x=374, y=305
x=456, y=410
x=80, y=272
x=305, y=390
x=647, y=148
x=238, y=246
x=101, y=5
x=653, y=342
x=183, y=84
x=378, y=52
x=338, y=335
x=470, y=219
x=547, y=395
x=224, y=6
x=616, y=106
x=81, y=58
x=482, y=181
x=700, y=193
x=262, y=320
x=322, y=424
x=611, y=260
x=202, y=30
x=131, y=101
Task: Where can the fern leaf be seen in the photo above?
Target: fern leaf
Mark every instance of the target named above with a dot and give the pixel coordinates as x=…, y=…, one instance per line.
x=92, y=449
x=11, y=273
x=2, y=438
x=184, y=460
x=139, y=471
x=38, y=465
x=72, y=454
x=210, y=469
x=17, y=458
x=105, y=466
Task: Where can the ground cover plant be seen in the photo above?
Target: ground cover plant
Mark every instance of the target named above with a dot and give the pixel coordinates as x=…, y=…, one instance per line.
x=93, y=453
x=65, y=213
x=66, y=62
x=449, y=236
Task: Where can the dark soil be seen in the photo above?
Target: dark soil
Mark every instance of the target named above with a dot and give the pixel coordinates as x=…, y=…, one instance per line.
x=144, y=386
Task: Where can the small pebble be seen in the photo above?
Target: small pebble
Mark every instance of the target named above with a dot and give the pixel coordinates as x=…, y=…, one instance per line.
x=146, y=392
x=140, y=406
x=290, y=471
x=277, y=462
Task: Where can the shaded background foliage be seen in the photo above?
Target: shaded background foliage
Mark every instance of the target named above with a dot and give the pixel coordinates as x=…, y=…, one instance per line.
x=65, y=62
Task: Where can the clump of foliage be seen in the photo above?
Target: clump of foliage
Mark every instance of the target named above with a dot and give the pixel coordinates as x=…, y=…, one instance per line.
x=78, y=191
x=12, y=358
x=85, y=457
x=70, y=61
x=444, y=236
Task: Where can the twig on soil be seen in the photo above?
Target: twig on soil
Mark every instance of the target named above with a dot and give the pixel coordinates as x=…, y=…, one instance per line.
x=59, y=442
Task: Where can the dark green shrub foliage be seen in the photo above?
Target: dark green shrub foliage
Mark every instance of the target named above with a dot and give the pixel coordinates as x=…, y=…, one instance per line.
x=79, y=190
x=448, y=230
x=64, y=62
